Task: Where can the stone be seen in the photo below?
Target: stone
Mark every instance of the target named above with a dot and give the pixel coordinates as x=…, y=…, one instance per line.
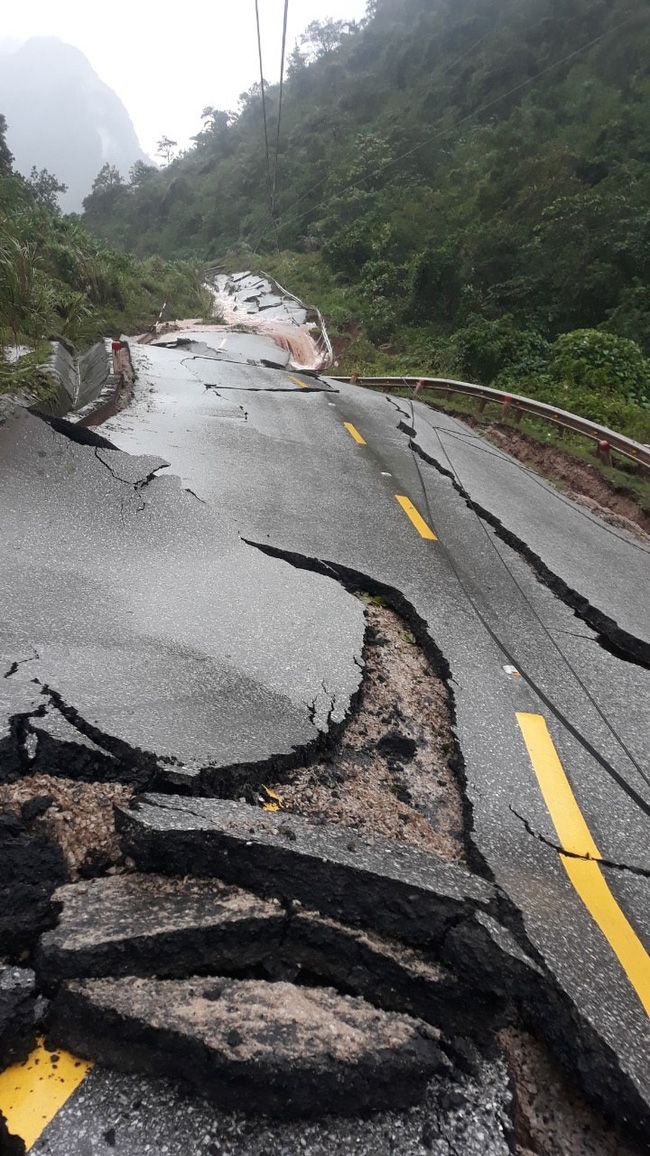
x=265, y=1048
x=18, y=1009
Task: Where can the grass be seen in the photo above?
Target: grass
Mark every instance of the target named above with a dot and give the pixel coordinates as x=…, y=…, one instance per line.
x=28, y=374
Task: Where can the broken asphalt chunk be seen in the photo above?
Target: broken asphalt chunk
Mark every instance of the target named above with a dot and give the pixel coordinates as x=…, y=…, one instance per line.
x=385, y=885
x=265, y=1048
x=152, y=925
x=155, y=925
x=31, y=867
x=18, y=1014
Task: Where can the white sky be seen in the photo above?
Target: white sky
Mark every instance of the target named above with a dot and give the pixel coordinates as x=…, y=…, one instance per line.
x=168, y=64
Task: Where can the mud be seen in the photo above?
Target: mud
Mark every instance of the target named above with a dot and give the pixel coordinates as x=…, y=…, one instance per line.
x=551, y=1118
x=76, y=817
x=390, y=774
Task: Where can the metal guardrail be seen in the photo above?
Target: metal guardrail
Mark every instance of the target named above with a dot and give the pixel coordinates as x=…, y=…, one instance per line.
x=514, y=405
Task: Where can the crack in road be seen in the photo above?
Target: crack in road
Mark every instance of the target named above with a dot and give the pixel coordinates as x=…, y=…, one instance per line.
x=19, y=662
x=644, y=872
x=635, y=649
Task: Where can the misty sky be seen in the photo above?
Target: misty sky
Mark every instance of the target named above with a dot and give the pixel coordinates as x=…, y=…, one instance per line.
x=168, y=62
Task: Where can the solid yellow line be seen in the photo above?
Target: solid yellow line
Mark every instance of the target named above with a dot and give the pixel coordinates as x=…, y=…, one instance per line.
x=585, y=874
x=298, y=382
x=417, y=520
x=32, y=1093
x=354, y=433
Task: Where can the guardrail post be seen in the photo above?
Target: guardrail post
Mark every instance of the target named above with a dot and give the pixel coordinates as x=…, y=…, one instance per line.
x=482, y=402
x=419, y=385
x=604, y=452
x=517, y=414
x=354, y=379
x=116, y=349
x=505, y=408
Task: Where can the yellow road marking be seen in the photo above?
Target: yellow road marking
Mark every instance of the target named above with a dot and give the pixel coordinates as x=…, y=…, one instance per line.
x=32, y=1093
x=417, y=520
x=354, y=433
x=298, y=382
x=585, y=874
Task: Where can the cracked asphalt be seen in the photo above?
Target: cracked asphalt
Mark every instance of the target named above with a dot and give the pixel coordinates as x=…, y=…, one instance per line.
x=138, y=594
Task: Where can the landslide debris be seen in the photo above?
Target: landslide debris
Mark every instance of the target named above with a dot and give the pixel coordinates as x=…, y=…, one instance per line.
x=391, y=774
x=77, y=817
x=551, y=1117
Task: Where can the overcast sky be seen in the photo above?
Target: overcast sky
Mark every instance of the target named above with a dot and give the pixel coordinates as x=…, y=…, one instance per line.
x=168, y=68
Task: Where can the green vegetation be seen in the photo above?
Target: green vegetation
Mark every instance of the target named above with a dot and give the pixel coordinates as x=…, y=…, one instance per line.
x=58, y=281
x=460, y=183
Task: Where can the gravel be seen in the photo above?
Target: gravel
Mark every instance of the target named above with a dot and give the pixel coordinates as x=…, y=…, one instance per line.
x=77, y=816
x=390, y=774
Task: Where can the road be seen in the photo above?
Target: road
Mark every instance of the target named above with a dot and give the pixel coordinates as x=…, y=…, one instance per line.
x=216, y=590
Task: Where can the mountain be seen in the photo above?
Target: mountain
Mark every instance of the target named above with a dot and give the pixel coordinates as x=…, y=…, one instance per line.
x=62, y=117
x=458, y=181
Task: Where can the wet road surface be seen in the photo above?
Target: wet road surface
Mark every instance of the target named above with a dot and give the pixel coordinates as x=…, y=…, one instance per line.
x=209, y=593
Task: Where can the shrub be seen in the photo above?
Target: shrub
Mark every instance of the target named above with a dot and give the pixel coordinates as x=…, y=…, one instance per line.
x=601, y=363
x=486, y=349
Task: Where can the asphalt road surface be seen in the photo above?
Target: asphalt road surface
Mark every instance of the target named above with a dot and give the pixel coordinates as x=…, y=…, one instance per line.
x=205, y=580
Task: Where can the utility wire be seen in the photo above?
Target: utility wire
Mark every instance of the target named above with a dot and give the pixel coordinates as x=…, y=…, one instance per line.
x=266, y=128
x=463, y=120
x=447, y=68
x=478, y=444
x=555, y=710
x=277, y=137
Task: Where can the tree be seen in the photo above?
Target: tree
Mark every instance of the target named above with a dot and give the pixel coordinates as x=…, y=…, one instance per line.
x=165, y=149
x=108, y=177
x=45, y=188
x=140, y=173
x=6, y=158
x=324, y=36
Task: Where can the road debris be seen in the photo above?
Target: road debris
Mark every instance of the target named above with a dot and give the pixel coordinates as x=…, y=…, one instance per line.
x=390, y=774
x=287, y=1050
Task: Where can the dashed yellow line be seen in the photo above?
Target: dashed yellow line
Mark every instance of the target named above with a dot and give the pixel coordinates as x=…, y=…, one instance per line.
x=354, y=433
x=418, y=521
x=33, y=1092
x=298, y=382
x=585, y=874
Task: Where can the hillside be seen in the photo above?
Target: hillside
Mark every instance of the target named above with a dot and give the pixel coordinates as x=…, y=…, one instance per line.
x=57, y=281
x=62, y=117
x=459, y=183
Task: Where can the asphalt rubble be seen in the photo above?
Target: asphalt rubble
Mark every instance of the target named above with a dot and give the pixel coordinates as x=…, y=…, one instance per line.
x=256, y=953
x=309, y=939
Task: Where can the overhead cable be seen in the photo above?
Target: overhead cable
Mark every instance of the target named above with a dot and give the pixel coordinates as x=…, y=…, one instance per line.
x=584, y=742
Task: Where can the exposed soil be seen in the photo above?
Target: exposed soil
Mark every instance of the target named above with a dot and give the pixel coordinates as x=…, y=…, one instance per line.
x=551, y=1117
x=77, y=817
x=390, y=774
x=580, y=480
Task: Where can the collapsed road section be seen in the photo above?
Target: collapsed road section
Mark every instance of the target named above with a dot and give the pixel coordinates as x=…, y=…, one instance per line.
x=259, y=784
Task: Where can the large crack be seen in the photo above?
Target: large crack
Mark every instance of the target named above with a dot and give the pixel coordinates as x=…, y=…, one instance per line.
x=635, y=649
x=354, y=580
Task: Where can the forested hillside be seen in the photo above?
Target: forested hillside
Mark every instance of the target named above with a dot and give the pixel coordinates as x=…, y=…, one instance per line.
x=459, y=182
x=59, y=281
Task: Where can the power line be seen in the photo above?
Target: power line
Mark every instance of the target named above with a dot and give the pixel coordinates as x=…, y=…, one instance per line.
x=555, y=710
x=461, y=436
x=266, y=129
x=457, y=124
x=277, y=138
